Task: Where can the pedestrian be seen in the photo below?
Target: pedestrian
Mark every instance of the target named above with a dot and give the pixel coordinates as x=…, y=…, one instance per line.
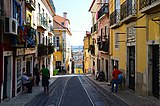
x=27, y=83
x=37, y=74
x=45, y=78
x=115, y=80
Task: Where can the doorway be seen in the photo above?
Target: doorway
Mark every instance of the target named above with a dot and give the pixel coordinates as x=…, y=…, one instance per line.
x=106, y=70
x=155, y=71
x=58, y=65
x=28, y=68
x=131, y=59
x=7, y=78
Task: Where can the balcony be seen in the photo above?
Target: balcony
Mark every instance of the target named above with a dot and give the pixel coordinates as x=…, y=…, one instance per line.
x=128, y=11
x=103, y=44
x=30, y=4
x=50, y=48
x=91, y=49
x=42, y=21
x=42, y=50
x=103, y=10
x=94, y=28
x=147, y=6
x=50, y=30
x=26, y=37
x=115, y=19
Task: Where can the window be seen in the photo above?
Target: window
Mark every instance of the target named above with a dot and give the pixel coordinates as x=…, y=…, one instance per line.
x=39, y=9
x=1, y=7
x=117, y=64
x=56, y=41
x=43, y=38
x=17, y=12
x=39, y=38
x=106, y=31
x=117, y=4
x=116, y=41
x=46, y=41
x=131, y=32
x=62, y=23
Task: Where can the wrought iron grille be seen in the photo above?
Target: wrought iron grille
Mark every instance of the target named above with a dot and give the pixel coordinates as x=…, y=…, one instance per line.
x=115, y=17
x=129, y=7
x=1, y=7
x=145, y=3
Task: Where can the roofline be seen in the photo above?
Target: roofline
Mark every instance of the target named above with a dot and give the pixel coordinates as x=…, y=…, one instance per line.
x=91, y=5
x=51, y=7
x=63, y=27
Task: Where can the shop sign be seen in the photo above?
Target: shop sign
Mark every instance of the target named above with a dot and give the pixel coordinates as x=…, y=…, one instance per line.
x=19, y=52
x=30, y=51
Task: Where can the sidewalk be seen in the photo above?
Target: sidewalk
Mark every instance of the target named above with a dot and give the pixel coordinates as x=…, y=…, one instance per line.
x=24, y=97
x=128, y=96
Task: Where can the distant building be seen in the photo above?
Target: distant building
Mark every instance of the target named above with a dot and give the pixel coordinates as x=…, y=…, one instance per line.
x=77, y=58
x=61, y=41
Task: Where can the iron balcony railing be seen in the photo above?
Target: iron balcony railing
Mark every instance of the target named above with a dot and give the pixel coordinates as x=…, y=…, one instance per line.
x=50, y=28
x=103, y=46
x=103, y=10
x=145, y=3
x=94, y=28
x=42, y=21
x=115, y=17
x=91, y=49
x=42, y=50
x=1, y=7
x=128, y=8
x=50, y=48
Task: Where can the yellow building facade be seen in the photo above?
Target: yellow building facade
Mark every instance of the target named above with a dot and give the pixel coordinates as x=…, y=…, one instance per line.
x=87, y=60
x=58, y=56
x=134, y=43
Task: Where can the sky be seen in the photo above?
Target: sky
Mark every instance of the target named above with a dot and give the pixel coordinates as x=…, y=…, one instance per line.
x=79, y=16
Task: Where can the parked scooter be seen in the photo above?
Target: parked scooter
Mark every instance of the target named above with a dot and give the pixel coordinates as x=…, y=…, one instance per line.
x=100, y=76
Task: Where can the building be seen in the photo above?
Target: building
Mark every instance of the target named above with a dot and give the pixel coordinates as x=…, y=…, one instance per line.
x=100, y=36
x=87, y=56
x=18, y=41
x=77, y=58
x=135, y=43
x=61, y=40
x=44, y=13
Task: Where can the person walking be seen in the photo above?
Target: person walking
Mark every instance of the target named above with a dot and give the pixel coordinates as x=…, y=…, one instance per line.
x=115, y=80
x=37, y=74
x=45, y=78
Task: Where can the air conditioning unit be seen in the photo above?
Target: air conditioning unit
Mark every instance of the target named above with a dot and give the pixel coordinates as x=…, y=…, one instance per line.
x=10, y=26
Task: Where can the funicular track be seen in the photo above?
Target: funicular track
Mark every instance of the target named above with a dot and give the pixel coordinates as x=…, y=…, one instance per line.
x=107, y=96
x=55, y=88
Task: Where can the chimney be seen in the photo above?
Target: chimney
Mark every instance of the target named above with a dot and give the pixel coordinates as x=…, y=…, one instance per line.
x=65, y=15
x=65, y=21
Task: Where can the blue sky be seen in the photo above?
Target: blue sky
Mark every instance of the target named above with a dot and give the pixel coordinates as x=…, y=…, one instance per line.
x=77, y=13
